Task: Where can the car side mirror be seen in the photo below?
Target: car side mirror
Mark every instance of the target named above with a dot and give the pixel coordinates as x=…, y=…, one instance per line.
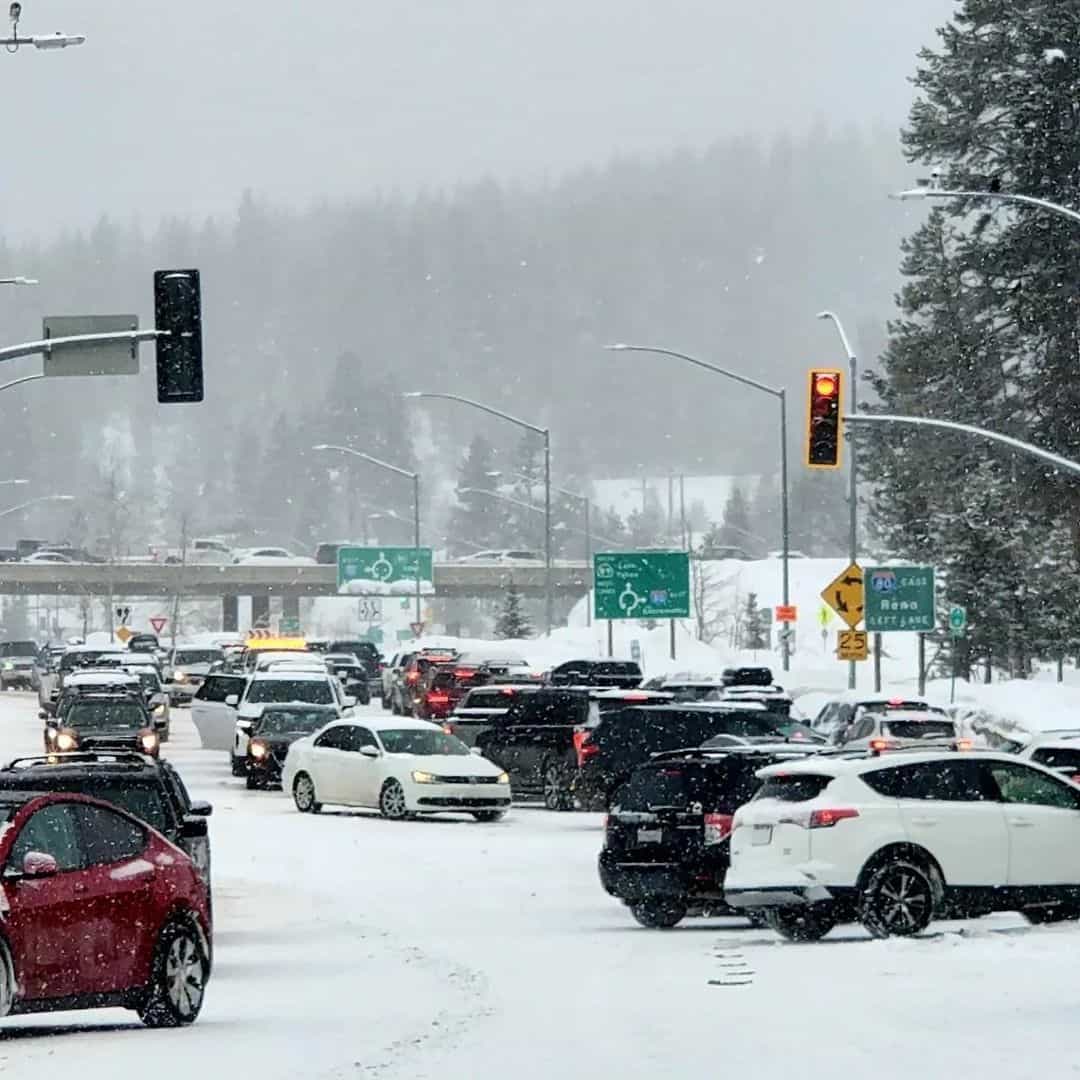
x=194, y=828
x=37, y=864
x=42, y=714
x=232, y=700
x=349, y=701
x=200, y=809
x=245, y=725
x=369, y=751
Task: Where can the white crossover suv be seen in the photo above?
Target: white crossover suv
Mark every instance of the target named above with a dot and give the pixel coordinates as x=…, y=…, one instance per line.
x=893, y=841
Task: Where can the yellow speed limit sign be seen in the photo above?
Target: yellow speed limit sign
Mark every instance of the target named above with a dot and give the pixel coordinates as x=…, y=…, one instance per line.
x=852, y=645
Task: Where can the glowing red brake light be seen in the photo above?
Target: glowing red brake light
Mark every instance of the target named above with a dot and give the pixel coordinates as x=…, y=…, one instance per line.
x=413, y=676
x=878, y=745
x=584, y=747
x=436, y=697
x=718, y=828
x=895, y=702
x=509, y=691
x=465, y=673
x=635, y=697
x=826, y=819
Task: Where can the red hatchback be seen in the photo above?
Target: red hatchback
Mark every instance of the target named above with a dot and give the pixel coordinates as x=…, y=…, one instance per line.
x=97, y=909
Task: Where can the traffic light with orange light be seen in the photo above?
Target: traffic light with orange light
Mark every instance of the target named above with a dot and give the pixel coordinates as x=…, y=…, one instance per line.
x=823, y=419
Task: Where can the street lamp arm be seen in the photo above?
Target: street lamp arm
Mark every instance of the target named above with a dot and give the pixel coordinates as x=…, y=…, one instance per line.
x=744, y=379
x=19, y=382
x=34, y=502
x=1000, y=196
x=968, y=429
x=481, y=406
x=534, y=509
x=368, y=458
x=835, y=320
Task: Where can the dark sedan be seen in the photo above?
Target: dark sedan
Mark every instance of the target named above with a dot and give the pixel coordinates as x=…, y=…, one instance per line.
x=275, y=731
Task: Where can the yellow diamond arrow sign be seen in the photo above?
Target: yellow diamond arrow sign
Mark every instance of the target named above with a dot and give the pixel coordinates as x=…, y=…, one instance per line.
x=844, y=594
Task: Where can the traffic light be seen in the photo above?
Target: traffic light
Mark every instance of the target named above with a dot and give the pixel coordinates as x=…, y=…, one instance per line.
x=177, y=310
x=823, y=419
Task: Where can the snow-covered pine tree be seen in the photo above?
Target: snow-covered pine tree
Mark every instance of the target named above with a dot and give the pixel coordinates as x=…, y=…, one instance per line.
x=512, y=621
x=755, y=625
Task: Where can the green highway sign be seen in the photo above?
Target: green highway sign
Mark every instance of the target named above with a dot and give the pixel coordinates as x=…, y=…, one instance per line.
x=899, y=598
x=383, y=571
x=642, y=585
x=957, y=620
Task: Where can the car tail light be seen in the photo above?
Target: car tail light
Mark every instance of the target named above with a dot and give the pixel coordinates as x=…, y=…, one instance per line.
x=635, y=697
x=449, y=728
x=718, y=827
x=412, y=676
x=963, y=744
x=584, y=747
x=826, y=819
x=878, y=745
x=465, y=673
x=437, y=697
x=509, y=691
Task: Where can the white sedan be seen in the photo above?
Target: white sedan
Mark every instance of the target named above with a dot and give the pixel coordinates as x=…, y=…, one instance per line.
x=398, y=766
x=271, y=556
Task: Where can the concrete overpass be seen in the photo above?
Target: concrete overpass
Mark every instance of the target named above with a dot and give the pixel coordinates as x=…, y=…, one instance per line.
x=571, y=580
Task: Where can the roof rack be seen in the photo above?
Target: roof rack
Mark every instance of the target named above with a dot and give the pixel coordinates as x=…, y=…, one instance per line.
x=746, y=750
x=83, y=757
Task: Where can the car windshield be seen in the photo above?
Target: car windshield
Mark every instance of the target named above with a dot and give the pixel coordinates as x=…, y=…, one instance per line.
x=197, y=656
x=422, y=742
x=18, y=648
x=312, y=691
x=100, y=715
x=290, y=721
x=919, y=729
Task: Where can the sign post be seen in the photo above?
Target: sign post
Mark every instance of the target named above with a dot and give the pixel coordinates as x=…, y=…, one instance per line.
x=957, y=629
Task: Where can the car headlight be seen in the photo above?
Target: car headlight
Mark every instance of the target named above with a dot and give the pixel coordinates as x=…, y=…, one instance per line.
x=8, y=665
x=159, y=710
x=503, y=778
x=66, y=740
x=424, y=777
x=180, y=676
x=258, y=749
x=149, y=742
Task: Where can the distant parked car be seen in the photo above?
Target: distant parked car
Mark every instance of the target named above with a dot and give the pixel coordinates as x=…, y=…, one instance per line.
x=518, y=557
x=271, y=556
x=17, y=660
x=48, y=557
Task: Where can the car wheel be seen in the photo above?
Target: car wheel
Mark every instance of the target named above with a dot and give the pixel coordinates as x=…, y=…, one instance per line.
x=178, y=977
x=659, y=914
x=1039, y=916
x=757, y=918
x=303, y=793
x=802, y=923
x=255, y=783
x=557, y=793
x=237, y=764
x=489, y=815
x=8, y=982
x=392, y=801
x=898, y=900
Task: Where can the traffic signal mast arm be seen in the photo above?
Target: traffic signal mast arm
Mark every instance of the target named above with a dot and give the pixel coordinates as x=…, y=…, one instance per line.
x=968, y=429
x=33, y=348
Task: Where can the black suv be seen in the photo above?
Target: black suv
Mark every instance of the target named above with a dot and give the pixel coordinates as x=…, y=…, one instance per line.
x=667, y=841
x=538, y=741
x=108, y=722
x=151, y=790
x=366, y=653
x=615, y=674
x=623, y=740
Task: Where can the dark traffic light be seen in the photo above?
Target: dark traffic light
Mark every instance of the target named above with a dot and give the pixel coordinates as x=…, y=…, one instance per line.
x=177, y=310
x=823, y=419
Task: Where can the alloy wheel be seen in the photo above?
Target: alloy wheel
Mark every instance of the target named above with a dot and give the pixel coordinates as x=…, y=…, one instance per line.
x=185, y=975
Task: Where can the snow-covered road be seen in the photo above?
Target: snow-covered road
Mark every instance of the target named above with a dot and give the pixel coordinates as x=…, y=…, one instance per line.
x=348, y=946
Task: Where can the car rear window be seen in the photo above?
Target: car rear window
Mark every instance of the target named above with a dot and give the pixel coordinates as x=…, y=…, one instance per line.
x=311, y=691
x=794, y=788
x=197, y=656
x=139, y=797
x=1058, y=757
x=650, y=788
x=487, y=699
x=18, y=648
x=919, y=729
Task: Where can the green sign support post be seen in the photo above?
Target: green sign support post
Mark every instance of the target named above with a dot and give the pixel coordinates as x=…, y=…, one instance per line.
x=899, y=599
x=642, y=585
x=384, y=571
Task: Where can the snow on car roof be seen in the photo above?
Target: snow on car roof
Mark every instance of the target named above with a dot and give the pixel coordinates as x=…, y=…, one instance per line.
x=394, y=723
x=858, y=761
x=100, y=678
x=291, y=675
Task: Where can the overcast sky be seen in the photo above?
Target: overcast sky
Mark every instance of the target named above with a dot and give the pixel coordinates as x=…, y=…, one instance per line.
x=176, y=107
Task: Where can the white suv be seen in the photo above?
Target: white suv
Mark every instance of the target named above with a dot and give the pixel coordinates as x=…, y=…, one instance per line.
x=895, y=729
x=893, y=841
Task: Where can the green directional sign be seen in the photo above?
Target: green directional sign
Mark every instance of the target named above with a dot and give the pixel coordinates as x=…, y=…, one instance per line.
x=642, y=585
x=383, y=571
x=957, y=620
x=899, y=598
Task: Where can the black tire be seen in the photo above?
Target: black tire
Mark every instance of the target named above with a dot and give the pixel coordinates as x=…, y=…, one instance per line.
x=8, y=980
x=178, y=975
x=303, y=792
x=255, y=783
x=810, y=923
x=557, y=792
x=392, y=801
x=489, y=815
x=757, y=918
x=237, y=765
x=1040, y=916
x=897, y=900
x=660, y=913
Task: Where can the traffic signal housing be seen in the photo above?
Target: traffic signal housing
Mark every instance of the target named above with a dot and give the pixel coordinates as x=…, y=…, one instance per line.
x=823, y=419
x=178, y=312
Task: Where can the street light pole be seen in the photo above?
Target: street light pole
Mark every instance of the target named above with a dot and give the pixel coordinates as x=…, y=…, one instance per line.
x=930, y=192
x=545, y=433
x=853, y=480
x=408, y=474
x=781, y=396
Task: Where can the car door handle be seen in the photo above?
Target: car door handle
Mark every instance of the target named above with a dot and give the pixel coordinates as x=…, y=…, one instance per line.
x=1020, y=823
x=924, y=821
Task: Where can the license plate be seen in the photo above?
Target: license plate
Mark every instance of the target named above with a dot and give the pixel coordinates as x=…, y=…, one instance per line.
x=761, y=834
x=650, y=836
